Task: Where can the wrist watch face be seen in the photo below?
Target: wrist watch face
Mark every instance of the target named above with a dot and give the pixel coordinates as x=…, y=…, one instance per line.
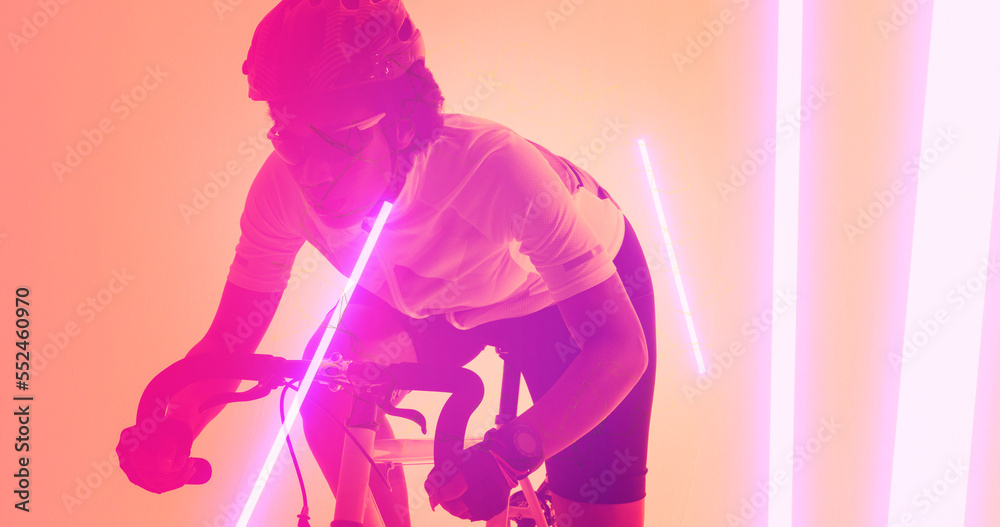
x=527, y=442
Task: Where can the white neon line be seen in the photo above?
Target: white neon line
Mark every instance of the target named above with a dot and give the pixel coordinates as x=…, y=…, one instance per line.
x=785, y=264
x=939, y=357
x=331, y=329
x=983, y=456
x=688, y=318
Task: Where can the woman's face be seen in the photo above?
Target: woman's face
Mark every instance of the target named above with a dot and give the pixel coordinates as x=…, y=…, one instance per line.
x=342, y=164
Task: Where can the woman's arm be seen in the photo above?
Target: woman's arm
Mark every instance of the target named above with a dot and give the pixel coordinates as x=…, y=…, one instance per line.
x=609, y=365
x=239, y=325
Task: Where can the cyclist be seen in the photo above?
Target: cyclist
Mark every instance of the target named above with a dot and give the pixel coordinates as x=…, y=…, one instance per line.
x=492, y=240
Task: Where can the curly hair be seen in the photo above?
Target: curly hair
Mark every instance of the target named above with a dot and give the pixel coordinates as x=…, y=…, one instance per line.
x=415, y=96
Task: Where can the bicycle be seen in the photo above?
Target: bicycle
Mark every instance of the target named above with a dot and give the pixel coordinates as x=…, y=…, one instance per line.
x=377, y=386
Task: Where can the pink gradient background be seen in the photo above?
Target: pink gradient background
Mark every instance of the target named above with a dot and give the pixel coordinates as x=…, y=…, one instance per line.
x=120, y=210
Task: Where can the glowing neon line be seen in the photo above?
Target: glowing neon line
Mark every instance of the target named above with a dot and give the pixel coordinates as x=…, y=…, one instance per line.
x=331, y=329
x=938, y=360
x=785, y=263
x=980, y=497
x=673, y=257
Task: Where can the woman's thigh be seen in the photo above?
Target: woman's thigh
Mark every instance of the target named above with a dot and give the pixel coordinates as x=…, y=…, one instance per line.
x=374, y=331
x=371, y=330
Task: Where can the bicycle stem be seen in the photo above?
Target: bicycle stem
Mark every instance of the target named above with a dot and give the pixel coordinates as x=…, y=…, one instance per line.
x=353, y=492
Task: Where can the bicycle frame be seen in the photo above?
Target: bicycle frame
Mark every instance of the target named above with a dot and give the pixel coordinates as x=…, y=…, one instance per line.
x=372, y=385
x=354, y=470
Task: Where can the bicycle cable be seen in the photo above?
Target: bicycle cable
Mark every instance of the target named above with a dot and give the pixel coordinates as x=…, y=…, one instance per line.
x=304, y=515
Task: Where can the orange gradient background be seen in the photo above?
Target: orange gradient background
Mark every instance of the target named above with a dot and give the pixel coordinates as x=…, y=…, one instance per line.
x=562, y=69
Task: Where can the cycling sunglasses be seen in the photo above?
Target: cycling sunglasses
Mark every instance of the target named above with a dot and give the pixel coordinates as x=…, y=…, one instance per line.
x=293, y=150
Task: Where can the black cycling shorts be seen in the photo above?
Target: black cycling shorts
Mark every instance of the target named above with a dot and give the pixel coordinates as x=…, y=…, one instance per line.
x=608, y=464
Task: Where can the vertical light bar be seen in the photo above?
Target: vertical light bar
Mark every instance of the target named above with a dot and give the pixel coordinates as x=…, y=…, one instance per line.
x=688, y=318
x=786, y=232
x=944, y=312
x=981, y=507
x=331, y=329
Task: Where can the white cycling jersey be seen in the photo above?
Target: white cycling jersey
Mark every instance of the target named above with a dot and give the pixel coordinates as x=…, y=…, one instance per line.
x=488, y=225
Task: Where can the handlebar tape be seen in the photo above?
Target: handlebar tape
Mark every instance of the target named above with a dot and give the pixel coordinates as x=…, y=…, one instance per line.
x=208, y=366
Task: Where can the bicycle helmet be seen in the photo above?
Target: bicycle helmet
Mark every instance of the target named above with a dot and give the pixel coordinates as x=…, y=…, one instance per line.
x=304, y=48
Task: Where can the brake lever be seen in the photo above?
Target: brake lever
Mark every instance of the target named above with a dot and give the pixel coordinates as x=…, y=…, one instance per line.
x=408, y=413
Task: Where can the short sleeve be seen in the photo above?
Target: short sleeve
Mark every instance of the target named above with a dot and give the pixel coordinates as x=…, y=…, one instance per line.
x=539, y=212
x=268, y=242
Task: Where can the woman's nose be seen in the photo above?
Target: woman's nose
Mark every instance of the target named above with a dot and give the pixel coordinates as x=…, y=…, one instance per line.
x=314, y=171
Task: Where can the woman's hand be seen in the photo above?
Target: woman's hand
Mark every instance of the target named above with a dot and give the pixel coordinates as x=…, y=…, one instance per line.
x=159, y=460
x=472, y=486
x=476, y=484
